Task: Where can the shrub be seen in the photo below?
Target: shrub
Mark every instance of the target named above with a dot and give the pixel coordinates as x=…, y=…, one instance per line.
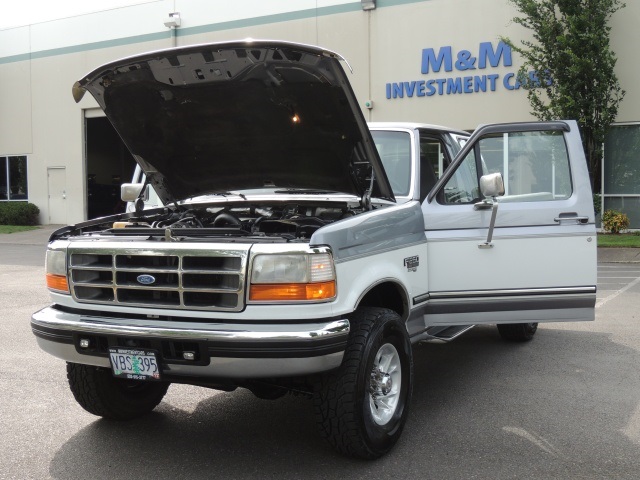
x=614, y=221
x=18, y=213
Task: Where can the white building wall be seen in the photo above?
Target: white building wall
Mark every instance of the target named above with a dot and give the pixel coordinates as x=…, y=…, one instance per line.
x=15, y=93
x=625, y=38
x=399, y=36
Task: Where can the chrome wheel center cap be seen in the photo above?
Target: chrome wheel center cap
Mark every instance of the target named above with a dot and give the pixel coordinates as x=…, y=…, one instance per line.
x=381, y=383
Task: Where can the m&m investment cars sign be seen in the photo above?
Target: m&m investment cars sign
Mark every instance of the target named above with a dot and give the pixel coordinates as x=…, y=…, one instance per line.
x=476, y=77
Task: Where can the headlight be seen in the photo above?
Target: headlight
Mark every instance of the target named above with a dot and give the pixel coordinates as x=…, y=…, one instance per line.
x=56, y=271
x=280, y=269
x=293, y=277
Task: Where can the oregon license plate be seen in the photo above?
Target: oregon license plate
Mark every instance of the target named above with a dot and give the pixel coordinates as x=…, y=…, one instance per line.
x=134, y=363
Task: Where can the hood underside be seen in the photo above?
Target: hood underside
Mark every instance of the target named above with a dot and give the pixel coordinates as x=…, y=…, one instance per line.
x=242, y=115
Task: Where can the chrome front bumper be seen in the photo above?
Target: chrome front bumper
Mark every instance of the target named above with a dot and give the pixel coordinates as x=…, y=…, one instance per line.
x=240, y=351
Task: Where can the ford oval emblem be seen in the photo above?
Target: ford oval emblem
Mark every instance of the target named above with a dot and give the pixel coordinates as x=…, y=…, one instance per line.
x=146, y=279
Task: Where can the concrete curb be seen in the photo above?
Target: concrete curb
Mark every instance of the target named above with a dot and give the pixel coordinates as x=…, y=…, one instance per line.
x=619, y=255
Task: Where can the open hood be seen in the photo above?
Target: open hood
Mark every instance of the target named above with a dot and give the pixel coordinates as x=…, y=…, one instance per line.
x=232, y=116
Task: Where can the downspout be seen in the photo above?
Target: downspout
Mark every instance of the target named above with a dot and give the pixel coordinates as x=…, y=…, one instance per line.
x=602, y=165
x=368, y=6
x=369, y=102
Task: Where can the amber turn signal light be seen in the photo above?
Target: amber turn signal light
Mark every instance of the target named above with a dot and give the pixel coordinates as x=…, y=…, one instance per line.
x=293, y=291
x=57, y=282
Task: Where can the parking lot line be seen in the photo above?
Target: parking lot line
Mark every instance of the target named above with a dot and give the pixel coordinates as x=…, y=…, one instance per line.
x=614, y=280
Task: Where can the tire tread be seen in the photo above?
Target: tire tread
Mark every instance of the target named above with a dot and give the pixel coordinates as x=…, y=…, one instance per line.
x=335, y=403
x=95, y=390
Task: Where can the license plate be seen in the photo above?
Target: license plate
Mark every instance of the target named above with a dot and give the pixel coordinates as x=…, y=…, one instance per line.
x=134, y=363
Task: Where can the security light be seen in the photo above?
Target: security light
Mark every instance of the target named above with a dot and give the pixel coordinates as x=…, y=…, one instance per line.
x=368, y=4
x=172, y=20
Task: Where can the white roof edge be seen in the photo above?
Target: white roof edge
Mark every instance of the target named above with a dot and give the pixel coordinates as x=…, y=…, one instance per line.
x=413, y=125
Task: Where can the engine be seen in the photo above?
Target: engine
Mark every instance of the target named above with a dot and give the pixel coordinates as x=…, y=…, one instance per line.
x=289, y=222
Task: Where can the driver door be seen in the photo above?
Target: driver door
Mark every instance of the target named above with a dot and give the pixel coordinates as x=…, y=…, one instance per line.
x=537, y=262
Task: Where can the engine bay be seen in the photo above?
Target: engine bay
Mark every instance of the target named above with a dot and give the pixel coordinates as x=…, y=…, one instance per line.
x=277, y=222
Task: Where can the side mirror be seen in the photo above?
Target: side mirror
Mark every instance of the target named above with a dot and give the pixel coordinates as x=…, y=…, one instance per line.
x=491, y=185
x=129, y=192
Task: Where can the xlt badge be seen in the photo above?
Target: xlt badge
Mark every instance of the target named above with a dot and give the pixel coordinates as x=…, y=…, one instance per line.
x=412, y=263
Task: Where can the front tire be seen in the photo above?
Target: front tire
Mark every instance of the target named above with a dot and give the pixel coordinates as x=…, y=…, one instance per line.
x=517, y=332
x=100, y=393
x=361, y=408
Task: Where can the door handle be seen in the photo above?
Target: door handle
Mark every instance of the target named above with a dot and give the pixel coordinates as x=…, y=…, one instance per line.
x=571, y=216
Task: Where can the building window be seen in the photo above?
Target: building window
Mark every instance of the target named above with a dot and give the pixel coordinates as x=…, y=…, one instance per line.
x=621, y=171
x=13, y=178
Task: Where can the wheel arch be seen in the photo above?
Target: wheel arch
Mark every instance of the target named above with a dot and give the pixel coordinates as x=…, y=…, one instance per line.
x=386, y=293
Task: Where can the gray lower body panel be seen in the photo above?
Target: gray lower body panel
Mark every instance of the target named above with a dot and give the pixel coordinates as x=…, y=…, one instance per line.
x=506, y=306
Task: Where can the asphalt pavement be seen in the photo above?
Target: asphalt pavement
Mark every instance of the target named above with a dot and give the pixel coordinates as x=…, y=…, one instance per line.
x=25, y=248
x=564, y=406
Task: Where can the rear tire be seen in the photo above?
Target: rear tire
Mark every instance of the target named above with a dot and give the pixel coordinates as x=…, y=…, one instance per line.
x=100, y=393
x=517, y=332
x=267, y=392
x=361, y=407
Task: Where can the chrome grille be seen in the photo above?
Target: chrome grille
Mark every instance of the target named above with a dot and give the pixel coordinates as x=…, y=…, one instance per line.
x=194, y=279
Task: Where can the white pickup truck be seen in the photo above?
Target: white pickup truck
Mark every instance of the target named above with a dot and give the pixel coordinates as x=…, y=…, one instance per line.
x=291, y=255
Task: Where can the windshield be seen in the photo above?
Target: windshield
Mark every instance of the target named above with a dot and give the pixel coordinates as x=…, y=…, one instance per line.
x=394, y=149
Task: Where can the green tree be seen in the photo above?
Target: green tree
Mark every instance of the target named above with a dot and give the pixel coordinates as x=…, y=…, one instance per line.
x=574, y=66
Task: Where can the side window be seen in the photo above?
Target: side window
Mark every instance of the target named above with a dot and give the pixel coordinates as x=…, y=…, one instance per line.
x=463, y=186
x=394, y=149
x=534, y=165
x=433, y=151
x=433, y=161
